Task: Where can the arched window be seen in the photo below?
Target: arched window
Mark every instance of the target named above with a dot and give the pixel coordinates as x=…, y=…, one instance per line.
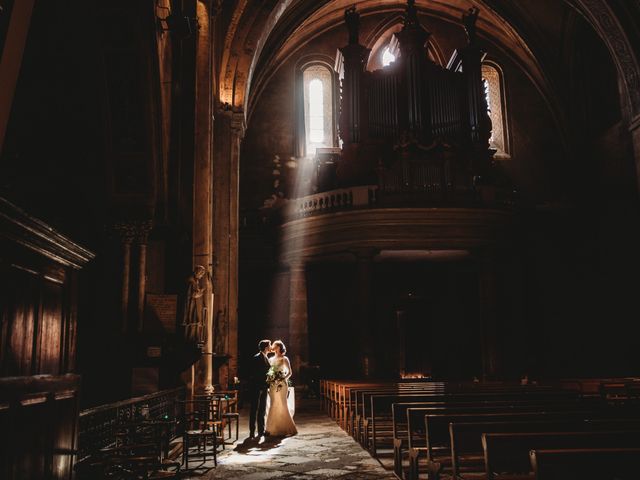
x=318, y=108
x=494, y=94
x=387, y=57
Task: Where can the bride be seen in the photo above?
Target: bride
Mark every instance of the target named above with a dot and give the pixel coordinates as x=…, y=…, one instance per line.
x=279, y=421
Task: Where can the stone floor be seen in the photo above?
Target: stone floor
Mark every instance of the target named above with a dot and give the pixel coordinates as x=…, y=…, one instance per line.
x=320, y=450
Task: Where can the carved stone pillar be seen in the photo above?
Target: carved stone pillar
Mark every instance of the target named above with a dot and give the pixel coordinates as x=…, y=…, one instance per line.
x=203, y=182
x=298, y=317
x=487, y=293
x=364, y=274
x=229, y=130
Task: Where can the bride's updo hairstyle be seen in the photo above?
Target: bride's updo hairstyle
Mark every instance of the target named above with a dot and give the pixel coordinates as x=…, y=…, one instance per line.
x=279, y=343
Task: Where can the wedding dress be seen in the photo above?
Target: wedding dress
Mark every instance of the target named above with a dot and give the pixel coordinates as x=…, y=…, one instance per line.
x=279, y=415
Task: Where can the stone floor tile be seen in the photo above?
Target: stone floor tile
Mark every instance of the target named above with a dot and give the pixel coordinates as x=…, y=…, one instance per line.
x=327, y=473
x=320, y=450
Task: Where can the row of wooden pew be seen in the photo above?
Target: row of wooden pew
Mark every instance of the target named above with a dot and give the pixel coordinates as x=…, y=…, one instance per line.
x=487, y=430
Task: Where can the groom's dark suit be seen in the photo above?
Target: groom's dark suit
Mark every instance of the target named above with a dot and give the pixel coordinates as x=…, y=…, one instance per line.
x=258, y=392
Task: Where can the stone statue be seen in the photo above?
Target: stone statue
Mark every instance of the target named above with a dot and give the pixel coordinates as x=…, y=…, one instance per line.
x=195, y=311
x=352, y=19
x=469, y=19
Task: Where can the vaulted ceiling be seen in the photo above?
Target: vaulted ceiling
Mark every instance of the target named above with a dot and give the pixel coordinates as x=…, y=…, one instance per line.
x=261, y=35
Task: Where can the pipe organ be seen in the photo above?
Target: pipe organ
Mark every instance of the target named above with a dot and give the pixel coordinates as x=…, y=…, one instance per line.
x=424, y=127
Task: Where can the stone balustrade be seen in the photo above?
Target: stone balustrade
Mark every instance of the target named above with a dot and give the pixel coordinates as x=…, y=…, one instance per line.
x=360, y=196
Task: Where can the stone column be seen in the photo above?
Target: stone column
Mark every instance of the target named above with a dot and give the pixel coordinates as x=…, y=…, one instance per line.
x=141, y=237
x=134, y=232
x=203, y=183
x=126, y=234
x=229, y=130
x=364, y=273
x=487, y=286
x=298, y=319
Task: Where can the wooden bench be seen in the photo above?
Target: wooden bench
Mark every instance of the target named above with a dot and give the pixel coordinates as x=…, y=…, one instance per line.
x=436, y=446
x=586, y=464
x=466, y=438
x=507, y=454
x=379, y=415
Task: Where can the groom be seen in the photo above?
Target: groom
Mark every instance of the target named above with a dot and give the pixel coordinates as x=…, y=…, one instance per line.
x=258, y=387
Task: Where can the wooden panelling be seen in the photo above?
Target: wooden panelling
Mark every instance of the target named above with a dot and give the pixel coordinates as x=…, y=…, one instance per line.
x=38, y=402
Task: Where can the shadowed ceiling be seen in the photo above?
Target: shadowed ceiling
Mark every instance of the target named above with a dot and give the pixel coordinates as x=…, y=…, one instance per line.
x=261, y=35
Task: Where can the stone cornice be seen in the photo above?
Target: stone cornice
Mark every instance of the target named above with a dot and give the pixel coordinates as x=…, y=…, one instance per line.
x=20, y=227
x=394, y=229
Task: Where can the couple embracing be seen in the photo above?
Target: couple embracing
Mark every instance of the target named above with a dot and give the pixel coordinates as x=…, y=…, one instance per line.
x=269, y=379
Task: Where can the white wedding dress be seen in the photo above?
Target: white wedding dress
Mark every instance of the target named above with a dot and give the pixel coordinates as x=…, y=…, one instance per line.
x=279, y=413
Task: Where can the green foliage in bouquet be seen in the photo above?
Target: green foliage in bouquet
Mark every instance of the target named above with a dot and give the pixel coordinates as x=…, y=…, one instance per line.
x=276, y=377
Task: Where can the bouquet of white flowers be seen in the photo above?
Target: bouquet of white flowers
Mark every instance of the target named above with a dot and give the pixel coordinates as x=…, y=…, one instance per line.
x=276, y=377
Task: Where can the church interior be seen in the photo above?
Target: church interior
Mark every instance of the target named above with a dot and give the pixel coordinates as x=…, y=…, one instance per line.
x=433, y=204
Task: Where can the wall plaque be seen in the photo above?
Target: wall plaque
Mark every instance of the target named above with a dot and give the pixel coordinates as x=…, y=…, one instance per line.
x=161, y=311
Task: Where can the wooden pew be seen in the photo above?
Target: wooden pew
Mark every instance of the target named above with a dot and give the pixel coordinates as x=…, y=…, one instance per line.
x=380, y=408
x=435, y=446
x=466, y=438
x=506, y=454
x=585, y=464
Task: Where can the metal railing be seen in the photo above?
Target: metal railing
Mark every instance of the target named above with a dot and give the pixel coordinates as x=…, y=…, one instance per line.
x=98, y=425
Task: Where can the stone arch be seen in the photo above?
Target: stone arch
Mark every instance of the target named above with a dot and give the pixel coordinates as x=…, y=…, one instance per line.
x=382, y=34
x=604, y=21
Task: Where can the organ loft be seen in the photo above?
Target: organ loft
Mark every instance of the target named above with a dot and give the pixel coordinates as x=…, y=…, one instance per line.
x=433, y=205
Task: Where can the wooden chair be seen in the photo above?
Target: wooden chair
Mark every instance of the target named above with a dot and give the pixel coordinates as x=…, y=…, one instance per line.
x=230, y=410
x=217, y=406
x=197, y=424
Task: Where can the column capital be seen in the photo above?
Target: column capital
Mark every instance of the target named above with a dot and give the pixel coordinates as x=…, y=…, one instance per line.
x=235, y=117
x=131, y=231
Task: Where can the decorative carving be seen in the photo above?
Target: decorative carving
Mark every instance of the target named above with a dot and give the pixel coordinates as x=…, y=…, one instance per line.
x=611, y=31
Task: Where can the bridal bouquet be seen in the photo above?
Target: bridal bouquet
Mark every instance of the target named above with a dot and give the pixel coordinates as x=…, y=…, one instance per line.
x=276, y=377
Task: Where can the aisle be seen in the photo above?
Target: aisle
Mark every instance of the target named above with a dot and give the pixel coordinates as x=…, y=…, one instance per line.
x=320, y=450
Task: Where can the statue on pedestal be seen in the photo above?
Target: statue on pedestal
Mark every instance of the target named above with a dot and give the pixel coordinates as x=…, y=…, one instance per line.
x=195, y=311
